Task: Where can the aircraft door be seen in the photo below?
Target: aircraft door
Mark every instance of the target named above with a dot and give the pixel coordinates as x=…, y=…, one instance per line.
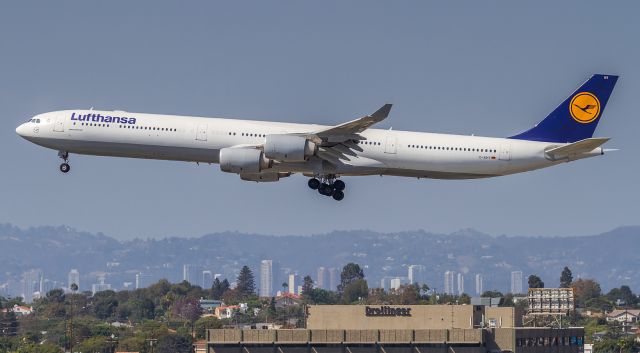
x=505, y=153
x=201, y=132
x=391, y=144
x=58, y=125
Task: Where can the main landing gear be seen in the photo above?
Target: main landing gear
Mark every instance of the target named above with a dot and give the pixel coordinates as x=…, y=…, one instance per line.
x=64, y=167
x=328, y=186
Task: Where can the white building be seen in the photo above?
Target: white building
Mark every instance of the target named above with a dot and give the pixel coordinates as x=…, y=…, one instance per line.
x=624, y=316
x=100, y=286
x=448, y=282
x=266, y=278
x=416, y=274
x=322, y=279
x=479, y=284
x=395, y=283
x=31, y=284
x=142, y=280
x=74, y=278
x=292, y=283
x=516, y=282
x=460, y=283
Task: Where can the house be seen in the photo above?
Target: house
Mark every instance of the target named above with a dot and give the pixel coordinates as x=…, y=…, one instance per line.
x=287, y=299
x=210, y=305
x=225, y=312
x=20, y=310
x=624, y=316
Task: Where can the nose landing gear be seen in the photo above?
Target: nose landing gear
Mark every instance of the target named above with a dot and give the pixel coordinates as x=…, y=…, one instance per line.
x=64, y=167
x=328, y=186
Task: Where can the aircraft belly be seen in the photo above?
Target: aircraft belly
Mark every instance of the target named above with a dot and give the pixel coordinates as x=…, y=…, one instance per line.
x=132, y=150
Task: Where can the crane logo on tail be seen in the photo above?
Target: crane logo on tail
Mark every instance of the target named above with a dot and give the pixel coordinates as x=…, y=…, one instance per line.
x=584, y=107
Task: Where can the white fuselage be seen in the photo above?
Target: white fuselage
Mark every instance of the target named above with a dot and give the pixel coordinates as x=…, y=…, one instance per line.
x=197, y=139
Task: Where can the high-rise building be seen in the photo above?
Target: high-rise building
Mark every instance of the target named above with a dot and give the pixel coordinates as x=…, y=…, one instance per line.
x=448, y=282
x=292, y=283
x=460, y=283
x=334, y=278
x=516, y=282
x=143, y=280
x=395, y=283
x=207, y=279
x=322, y=280
x=416, y=274
x=74, y=278
x=100, y=286
x=191, y=274
x=266, y=278
x=30, y=284
x=479, y=284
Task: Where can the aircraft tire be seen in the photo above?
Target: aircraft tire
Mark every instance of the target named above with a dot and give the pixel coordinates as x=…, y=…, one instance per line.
x=65, y=168
x=314, y=183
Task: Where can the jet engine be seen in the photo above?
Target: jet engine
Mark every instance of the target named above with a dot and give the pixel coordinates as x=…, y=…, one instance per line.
x=243, y=160
x=288, y=148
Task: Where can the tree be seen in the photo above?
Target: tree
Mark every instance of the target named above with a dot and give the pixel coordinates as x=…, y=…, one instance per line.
x=95, y=344
x=8, y=323
x=350, y=274
x=322, y=296
x=623, y=294
x=246, y=284
x=187, y=309
x=492, y=294
x=566, y=278
x=174, y=344
x=307, y=285
x=584, y=290
x=535, y=282
x=285, y=285
x=204, y=324
x=104, y=304
x=408, y=294
x=219, y=288
x=355, y=291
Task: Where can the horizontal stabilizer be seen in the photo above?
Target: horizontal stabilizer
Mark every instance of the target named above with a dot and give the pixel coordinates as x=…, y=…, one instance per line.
x=576, y=149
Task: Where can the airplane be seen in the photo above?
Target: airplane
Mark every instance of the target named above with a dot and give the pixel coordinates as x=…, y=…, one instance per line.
x=264, y=151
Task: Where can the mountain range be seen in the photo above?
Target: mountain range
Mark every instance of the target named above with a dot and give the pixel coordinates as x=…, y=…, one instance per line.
x=611, y=258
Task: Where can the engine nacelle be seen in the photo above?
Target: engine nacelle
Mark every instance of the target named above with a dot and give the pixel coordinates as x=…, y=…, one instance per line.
x=243, y=160
x=288, y=148
x=264, y=177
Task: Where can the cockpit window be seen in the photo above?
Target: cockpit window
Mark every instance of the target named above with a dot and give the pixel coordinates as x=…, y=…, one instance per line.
x=37, y=121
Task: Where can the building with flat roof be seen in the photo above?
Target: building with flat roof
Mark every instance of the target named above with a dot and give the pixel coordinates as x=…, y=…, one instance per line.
x=511, y=340
x=402, y=329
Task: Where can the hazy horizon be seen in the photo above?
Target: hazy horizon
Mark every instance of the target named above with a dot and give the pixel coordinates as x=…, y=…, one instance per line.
x=462, y=231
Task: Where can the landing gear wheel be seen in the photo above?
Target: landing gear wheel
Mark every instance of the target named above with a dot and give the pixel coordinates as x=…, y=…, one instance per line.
x=325, y=189
x=338, y=195
x=339, y=185
x=65, y=167
x=314, y=183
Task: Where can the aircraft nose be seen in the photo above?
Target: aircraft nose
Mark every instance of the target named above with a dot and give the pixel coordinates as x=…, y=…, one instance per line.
x=20, y=130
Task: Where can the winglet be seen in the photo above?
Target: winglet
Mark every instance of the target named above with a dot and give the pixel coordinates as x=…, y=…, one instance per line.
x=383, y=112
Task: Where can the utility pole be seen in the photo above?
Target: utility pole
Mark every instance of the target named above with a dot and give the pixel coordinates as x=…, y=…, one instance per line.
x=74, y=288
x=151, y=341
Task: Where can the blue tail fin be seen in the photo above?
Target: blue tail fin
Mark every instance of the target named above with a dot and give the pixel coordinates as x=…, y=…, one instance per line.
x=577, y=117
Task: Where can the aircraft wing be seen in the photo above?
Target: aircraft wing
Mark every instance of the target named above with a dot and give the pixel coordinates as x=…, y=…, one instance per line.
x=576, y=148
x=350, y=130
x=339, y=142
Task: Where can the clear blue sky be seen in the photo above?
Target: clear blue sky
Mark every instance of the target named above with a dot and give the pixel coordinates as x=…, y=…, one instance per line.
x=483, y=67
